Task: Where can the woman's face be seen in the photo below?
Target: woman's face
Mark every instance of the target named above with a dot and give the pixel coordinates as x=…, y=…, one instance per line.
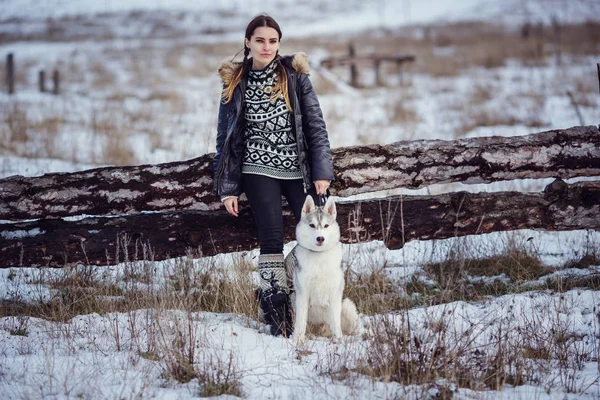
x=263, y=45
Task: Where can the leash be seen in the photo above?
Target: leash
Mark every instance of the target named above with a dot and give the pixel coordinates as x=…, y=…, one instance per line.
x=321, y=200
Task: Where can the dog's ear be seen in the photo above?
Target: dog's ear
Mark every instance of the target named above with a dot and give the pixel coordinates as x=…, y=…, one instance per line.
x=329, y=207
x=309, y=205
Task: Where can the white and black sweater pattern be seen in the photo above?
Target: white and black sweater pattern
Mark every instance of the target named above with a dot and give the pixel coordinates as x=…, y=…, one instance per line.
x=271, y=148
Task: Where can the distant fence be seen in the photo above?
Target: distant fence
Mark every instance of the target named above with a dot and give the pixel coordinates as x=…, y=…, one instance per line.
x=10, y=77
x=375, y=60
x=106, y=215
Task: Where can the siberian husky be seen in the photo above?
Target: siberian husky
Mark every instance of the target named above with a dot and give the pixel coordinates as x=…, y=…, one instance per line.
x=318, y=277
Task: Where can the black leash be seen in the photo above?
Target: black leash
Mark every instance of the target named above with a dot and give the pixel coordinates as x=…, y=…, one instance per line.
x=321, y=200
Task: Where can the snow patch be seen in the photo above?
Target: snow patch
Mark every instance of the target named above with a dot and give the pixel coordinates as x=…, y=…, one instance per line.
x=21, y=234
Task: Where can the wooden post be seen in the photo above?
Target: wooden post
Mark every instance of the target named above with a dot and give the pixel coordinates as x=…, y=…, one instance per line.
x=378, y=79
x=575, y=106
x=55, y=79
x=598, y=66
x=10, y=73
x=353, y=72
x=557, y=45
x=525, y=28
x=42, y=81
x=427, y=34
x=399, y=68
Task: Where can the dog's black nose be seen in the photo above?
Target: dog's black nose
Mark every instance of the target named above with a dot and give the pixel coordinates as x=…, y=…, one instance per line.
x=320, y=239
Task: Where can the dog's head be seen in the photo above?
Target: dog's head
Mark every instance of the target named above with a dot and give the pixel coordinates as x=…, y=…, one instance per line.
x=318, y=229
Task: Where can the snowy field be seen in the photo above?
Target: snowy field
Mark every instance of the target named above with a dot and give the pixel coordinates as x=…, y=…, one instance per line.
x=139, y=85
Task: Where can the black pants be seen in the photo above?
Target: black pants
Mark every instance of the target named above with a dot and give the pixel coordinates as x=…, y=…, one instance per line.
x=264, y=194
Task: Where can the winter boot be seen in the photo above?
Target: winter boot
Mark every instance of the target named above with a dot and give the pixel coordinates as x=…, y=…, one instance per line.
x=273, y=294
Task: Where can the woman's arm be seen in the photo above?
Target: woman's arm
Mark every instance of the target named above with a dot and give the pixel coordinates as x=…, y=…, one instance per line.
x=315, y=132
x=221, y=135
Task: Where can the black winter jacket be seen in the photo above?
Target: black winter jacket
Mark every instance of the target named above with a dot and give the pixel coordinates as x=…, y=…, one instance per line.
x=314, y=151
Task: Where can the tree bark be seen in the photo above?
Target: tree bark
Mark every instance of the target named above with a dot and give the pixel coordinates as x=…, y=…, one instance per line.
x=397, y=220
x=187, y=185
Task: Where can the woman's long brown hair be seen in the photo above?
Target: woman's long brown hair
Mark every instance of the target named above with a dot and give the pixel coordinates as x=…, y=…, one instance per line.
x=281, y=87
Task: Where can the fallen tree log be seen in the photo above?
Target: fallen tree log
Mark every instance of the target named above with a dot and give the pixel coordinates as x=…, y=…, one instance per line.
x=397, y=220
x=187, y=185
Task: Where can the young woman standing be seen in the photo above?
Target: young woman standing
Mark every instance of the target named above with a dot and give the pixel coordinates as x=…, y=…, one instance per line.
x=271, y=140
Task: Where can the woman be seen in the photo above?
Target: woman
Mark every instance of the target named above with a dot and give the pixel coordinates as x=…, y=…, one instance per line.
x=271, y=140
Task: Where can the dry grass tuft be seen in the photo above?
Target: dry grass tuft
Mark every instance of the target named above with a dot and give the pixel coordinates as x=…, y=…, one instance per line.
x=400, y=113
x=373, y=292
x=15, y=125
x=400, y=352
x=429, y=354
x=463, y=275
x=149, y=310
x=190, y=285
x=219, y=376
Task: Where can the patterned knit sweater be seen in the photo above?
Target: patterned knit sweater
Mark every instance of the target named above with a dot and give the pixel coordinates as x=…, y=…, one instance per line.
x=271, y=148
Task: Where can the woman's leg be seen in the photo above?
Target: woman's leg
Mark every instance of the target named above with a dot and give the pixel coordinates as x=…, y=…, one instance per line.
x=293, y=190
x=264, y=196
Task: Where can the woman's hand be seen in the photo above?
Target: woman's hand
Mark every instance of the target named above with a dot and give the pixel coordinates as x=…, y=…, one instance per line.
x=231, y=205
x=321, y=186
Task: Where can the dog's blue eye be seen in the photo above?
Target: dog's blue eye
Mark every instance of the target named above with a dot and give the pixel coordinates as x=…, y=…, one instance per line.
x=312, y=225
x=326, y=226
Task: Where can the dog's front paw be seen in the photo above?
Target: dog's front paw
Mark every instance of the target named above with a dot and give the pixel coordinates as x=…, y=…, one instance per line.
x=298, y=340
x=336, y=333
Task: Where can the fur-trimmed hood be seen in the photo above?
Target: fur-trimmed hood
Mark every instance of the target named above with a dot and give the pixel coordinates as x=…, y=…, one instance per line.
x=298, y=61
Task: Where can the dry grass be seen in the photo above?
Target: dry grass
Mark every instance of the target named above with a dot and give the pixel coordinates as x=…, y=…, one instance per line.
x=475, y=273
x=448, y=50
x=428, y=353
x=185, y=61
x=401, y=113
x=437, y=358
x=481, y=93
x=150, y=312
x=475, y=112
x=581, y=39
x=478, y=117
x=114, y=115
x=102, y=76
x=15, y=125
x=323, y=86
x=188, y=353
x=186, y=284
x=28, y=137
x=468, y=272
x=431, y=356
x=373, y=292
x=109, y=128
x=41, y=136
x=441, y=51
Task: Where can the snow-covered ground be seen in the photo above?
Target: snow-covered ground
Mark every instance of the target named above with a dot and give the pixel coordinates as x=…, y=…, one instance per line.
x=82, y=360
x=111, y=111
x=113, y=355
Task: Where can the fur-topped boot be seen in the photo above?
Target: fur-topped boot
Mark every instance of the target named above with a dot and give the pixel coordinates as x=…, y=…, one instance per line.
x=273, y=294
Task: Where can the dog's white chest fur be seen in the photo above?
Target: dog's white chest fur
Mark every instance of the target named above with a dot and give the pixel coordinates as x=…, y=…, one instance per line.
x=320, y=274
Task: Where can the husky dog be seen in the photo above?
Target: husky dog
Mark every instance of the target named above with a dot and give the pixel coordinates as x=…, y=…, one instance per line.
x=318, y=277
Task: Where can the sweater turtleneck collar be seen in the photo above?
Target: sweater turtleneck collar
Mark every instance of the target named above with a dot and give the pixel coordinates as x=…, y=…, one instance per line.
x=266, y=71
